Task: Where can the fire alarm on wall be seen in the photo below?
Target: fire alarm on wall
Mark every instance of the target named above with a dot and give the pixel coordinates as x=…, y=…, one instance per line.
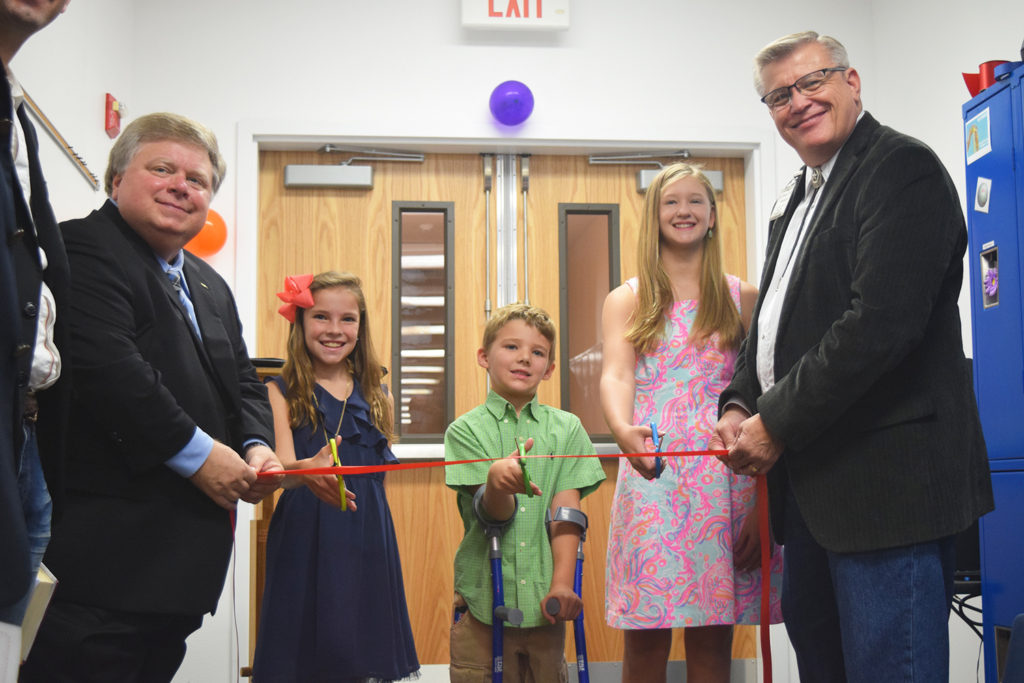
x=112, y=116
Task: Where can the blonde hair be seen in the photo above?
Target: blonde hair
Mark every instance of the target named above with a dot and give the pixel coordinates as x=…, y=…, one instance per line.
x=160, y=127
x=533, y=316
x=716, y=311
x=362, y=363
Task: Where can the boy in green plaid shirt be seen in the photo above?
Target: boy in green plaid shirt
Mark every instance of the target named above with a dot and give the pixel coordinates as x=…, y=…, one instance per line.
x=518, y=353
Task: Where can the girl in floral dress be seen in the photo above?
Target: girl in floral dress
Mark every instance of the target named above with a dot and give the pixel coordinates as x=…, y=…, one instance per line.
x=683, y=548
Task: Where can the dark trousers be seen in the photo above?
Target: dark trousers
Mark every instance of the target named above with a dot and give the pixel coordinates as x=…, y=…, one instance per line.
x=84, y=644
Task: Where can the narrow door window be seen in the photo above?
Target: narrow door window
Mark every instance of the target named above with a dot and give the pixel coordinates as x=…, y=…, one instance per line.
x=422, y=319
x=589, y=255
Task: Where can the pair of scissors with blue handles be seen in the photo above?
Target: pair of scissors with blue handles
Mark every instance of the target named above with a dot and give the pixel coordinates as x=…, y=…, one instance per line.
x=657, y=449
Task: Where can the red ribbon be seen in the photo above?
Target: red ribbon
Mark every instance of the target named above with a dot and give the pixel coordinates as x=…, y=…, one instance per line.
x=421, y=464
x=296, y=294
x=763, y=526
x=765, y=535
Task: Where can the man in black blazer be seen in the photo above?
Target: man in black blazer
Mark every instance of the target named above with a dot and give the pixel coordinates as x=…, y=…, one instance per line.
x=851, y=391
x=34, y=383
x=169, y=422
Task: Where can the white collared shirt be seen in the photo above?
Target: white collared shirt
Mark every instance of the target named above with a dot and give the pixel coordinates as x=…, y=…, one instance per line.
x=46, y=358
x=775, y=294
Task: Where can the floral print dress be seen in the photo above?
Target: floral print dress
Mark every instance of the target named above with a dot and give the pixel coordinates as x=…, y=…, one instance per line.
x=670, y=541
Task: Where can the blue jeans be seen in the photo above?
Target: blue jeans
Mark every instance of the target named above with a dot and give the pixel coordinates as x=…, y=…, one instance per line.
x=869, y=616
x=36, y=506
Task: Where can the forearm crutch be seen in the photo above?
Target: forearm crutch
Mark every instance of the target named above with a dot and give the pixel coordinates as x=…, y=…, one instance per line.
x=579, y=518
x=500, y=613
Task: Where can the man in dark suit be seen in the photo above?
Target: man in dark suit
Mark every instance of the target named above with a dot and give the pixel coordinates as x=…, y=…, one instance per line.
x=851, y=390
x=33, y=286
x=169, y=422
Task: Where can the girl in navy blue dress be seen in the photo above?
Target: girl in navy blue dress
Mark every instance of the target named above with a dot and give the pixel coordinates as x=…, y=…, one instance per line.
x=333, y=601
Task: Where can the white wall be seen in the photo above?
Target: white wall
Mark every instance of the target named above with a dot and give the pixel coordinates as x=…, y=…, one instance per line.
x=68, y=69
x=637, y=70
x=643, y=70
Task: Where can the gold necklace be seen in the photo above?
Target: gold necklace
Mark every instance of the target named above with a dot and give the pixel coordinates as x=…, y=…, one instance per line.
x=344, y=405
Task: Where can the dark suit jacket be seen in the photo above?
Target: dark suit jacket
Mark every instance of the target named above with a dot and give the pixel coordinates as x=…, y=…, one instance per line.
x=14, y=560
x=25, y=229
x=55, y=401
x=135, y=536
x=873, y=400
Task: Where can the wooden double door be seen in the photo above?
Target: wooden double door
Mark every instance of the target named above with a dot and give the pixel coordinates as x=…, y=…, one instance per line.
x=312, y=230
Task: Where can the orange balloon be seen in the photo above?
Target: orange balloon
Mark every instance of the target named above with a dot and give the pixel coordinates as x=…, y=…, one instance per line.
x=211, y=237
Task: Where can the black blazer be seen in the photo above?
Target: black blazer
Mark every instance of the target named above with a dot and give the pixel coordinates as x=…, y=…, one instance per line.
x=136, y=536
x=14, y=560
x=873, y=399
x=25, y=229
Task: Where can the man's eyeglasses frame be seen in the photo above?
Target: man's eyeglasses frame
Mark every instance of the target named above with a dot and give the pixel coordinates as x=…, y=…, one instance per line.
x=805, y=85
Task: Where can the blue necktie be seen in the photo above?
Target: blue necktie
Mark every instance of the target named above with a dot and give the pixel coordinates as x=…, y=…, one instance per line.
x=174, y=275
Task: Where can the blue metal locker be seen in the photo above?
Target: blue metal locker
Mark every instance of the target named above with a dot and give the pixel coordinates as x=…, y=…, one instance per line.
x=994, y=150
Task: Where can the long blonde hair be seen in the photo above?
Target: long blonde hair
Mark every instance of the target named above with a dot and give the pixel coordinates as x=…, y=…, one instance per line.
x=362, y=363
x=716, y=311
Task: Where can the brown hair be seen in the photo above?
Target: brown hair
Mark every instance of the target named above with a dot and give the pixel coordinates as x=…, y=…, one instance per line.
x=533, y=316
x=363, y=363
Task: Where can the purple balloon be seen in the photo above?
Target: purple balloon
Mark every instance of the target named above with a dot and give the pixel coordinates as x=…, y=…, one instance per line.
x=512, y=103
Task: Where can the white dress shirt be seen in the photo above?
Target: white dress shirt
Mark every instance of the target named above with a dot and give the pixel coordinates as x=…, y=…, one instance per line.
x=775, y=294
x=46, y=359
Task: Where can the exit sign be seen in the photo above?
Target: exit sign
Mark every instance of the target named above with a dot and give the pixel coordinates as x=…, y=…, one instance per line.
x=516, y=14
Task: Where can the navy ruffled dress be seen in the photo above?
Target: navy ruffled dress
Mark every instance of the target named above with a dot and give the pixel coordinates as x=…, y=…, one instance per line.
x=333, y=601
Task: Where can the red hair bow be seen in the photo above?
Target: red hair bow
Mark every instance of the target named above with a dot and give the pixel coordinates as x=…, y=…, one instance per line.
x=296, y=294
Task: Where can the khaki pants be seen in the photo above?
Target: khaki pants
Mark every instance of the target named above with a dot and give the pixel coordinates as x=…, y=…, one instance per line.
x=531, y=655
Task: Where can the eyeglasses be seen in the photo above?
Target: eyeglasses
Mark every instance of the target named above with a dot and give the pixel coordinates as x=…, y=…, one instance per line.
x=805, y=85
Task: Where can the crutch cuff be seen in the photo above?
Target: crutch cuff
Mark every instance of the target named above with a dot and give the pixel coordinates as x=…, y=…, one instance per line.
x=567, y=514
x=481, y=514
